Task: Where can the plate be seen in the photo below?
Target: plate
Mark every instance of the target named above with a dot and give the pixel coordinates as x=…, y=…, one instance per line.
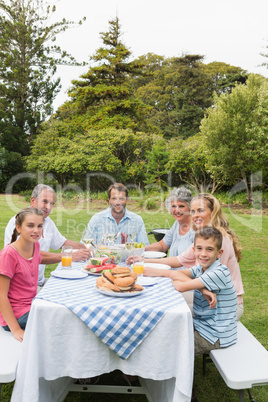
x=68, y=274
x=86, y=271
x=120, y=294
x=146, y=280
x=156, y=265
x=154, y=254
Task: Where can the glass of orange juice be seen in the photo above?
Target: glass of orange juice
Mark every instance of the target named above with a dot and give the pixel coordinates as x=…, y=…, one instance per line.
x=138, y=261
x=66, y=256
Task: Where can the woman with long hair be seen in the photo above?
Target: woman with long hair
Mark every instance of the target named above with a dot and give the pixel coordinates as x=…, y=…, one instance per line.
x=206, y=211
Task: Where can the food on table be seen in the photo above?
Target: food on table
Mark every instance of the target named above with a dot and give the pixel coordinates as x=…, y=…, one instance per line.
x=124, y=237
x=139, y=245
x=125, y=283
x=102, y=285
x=121, y=271
x=137, y=288
x=134, y=275
x=108, y=277
x=98, y=261
x=113, y=253
x=99, y=268
x=114, y=281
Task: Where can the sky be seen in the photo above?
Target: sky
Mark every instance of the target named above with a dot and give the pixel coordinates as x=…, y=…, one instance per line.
x=230, y=31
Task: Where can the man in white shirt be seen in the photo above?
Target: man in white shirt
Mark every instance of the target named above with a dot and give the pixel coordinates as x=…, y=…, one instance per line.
x=43, y=197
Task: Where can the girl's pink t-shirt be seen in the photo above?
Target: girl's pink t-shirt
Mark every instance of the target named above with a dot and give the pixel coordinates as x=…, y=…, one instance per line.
x=23, y=276
x=228, y=258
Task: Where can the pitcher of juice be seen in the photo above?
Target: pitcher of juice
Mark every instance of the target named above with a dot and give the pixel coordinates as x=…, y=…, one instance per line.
x=66, y=256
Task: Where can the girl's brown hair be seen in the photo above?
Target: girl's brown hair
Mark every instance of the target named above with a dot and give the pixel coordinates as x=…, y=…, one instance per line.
x=19, y=218
x=219, y=221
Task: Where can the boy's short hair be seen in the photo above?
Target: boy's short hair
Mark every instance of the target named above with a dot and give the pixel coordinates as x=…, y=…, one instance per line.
x=119, y=187
x=209, y=232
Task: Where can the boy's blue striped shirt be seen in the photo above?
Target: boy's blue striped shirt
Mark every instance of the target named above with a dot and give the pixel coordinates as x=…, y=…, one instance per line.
x=220, y=322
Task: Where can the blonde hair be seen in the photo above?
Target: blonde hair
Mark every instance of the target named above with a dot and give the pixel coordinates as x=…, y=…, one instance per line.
x=19, y=218
x=219, y=221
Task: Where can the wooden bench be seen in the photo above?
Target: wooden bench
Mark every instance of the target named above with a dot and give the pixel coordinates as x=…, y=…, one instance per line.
x=242, y=365
x=9, y=357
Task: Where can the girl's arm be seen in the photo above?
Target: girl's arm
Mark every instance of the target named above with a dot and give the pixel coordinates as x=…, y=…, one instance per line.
x=6, y=309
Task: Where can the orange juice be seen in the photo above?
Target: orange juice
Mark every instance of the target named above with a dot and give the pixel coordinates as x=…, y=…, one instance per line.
x=66, y=261
x=138, y=269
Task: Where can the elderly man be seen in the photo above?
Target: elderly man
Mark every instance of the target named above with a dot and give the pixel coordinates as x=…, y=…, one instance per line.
x=117, y=219
x=43, y=198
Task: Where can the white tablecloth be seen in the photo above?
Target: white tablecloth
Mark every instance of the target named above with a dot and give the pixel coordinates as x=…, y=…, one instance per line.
x=58, y=345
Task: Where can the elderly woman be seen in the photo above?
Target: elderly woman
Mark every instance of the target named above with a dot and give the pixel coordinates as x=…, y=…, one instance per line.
x=181, y=235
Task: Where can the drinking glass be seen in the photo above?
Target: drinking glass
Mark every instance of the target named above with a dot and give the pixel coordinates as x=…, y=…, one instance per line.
x=138, y=261
x=86, y=239
x=132, y=236
x=66, y=256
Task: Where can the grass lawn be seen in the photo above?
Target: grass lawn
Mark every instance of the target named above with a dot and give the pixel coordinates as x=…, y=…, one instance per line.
x=252, y=231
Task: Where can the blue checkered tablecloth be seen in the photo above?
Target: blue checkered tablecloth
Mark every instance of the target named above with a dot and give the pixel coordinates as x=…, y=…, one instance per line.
x=121, y=323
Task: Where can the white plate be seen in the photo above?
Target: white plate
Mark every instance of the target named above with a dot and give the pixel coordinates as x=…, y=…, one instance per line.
x=120, y=294
x=156, y=265
x=154, y=254
x=90, y=273
x=146, y=280
x=68, y=274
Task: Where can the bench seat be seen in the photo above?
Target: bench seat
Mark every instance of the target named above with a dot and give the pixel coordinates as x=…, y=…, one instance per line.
x=9, y=357
x=244, y=364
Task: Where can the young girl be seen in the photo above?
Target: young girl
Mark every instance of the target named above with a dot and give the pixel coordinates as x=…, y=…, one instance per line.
x=19, y=271
x=206, y=211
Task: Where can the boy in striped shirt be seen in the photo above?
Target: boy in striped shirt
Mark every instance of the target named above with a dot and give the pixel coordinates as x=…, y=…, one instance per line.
x=215, y=301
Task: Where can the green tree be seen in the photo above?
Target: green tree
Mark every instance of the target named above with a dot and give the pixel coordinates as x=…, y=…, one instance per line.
x=224, y=76
x=236, y=135
x=69, y=153
x=28, y=61
x=103, y=96
x=187, y=159
x=180, y=89
x=157, y=158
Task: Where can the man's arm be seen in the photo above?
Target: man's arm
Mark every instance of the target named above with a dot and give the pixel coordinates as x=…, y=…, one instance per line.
x=74, y=244
x=53, y=258
x=9, y=231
